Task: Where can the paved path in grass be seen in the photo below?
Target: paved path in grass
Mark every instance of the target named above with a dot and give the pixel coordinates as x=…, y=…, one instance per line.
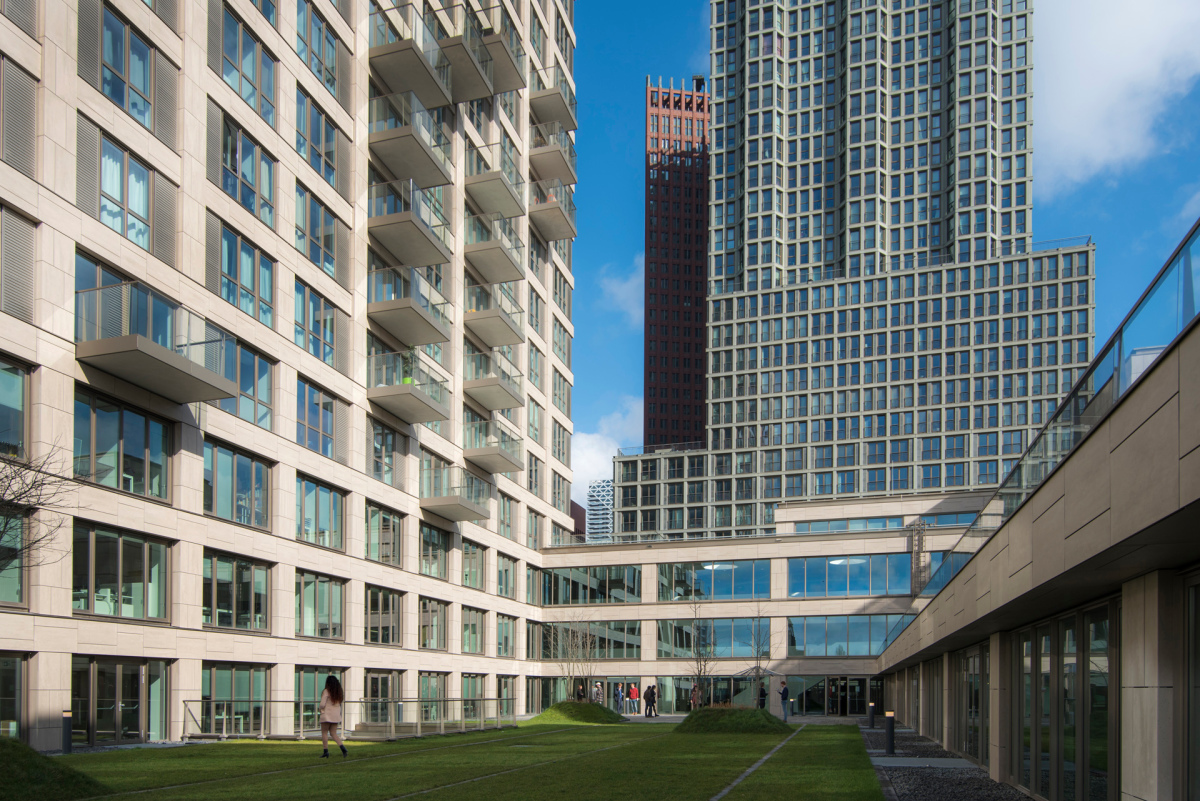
x=755, y=766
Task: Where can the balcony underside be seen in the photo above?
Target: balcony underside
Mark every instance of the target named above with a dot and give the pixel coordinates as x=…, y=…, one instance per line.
x=469, y=82
x=506, y=72
x=407, y=156
x=408, y=239
x=404, y=69
x=494, y=327
x=493, y=394
x=493, y=459
x=408, y=322
x=494, y=262
x=452, y=507
x=146, y=364
x=549, y=105
x=493, y=194
x=551, y=163
x=552, y=221
x=409, y=403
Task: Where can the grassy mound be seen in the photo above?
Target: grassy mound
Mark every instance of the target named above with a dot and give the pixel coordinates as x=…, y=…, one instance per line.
x=577, y=713
x=731, y=720
x=30, y=775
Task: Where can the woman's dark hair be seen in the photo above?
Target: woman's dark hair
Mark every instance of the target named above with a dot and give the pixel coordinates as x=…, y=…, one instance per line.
x=334, y=688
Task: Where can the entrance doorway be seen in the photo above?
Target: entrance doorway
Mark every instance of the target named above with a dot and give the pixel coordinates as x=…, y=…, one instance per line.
x=836, y=696
x=847, y=696
x=117, y=701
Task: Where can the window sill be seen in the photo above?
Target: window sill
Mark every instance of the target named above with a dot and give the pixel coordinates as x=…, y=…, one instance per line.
x=82, y=614
x=231, y=630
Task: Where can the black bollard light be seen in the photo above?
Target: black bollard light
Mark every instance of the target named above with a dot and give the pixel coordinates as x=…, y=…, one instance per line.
x=871, y=715
x=890, y=724
x=66, y=731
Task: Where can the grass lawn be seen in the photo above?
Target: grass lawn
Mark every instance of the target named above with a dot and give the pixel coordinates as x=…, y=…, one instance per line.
x=531, y=762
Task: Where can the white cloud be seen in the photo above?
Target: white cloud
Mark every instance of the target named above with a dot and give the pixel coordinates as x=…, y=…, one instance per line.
x=592, y=453
x=1191, y=208
x=626, y=292
x=1105, y=73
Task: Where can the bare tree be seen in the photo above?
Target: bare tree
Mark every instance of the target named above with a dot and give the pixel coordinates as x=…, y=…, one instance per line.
x=703, y=651
x=572, y=645
x=27, y=487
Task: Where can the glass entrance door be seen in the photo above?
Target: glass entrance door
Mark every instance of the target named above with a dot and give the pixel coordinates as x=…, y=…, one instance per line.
x=111, y=702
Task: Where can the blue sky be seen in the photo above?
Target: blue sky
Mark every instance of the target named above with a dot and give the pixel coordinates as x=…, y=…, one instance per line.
x=1116, y=153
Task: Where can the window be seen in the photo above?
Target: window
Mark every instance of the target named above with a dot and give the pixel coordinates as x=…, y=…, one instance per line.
x=236, y=592
x=562, y=292
x=315, y=230
x=606, y=584
x=504, y=519
x=562, y=342
x=506, y=576
x=127, y=69
x=536, y=360
x=473, y=627
x=247, y=278
x=435, y=544
x=118, y=573
x=315, y=411
x=252, y=374
x=319, y=513
x=387, y=453
x=120, y=447
x=314, y=323
x=316, y=137
x=316, y=44
x=715, y=581
x=472, y=565
x=533, y=474
x=318, y=606
x=505, y=628
x=433, y=625
x=12, y=562
x=248, y=68
x=849, y=576
x=383, y=610
x=384, y=529
x=235, y=485
x=533, y=529
x=724, y=637
x=560, y=493
x=125, y=191
x=247, y=172
x=561, y=444
x=12, y=409
x=562, y=393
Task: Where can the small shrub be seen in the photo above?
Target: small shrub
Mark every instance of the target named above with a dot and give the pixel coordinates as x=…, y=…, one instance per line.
x=731, y=720
x=575, y=712
x=30, y=776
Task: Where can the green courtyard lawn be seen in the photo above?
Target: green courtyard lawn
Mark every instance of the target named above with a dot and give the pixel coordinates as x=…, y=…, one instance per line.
x=823, y=763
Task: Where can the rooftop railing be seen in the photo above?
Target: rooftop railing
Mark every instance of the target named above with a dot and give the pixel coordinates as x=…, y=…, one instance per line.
x=1066, y=242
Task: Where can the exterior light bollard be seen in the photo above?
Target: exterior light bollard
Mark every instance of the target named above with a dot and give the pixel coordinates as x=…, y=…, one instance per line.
x=890, y=718
x=871, y=715
x=66, y=731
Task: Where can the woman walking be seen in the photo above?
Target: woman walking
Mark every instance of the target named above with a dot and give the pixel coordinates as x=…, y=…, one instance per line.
x=330, y=710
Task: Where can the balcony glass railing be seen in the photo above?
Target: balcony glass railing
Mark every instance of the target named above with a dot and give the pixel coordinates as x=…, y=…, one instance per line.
x=493, y=434
x=400, y=283
x=1163, y=313
x=496, y=158
x=404, y=110
x=464, y=22
x=455, y=482
x=478, y=298
x=554, y=78
x=553, y=134
x=495, y=229
x=129, y=308
x=545, y=193
x=396, y=197
x=404, y=368
x=402, y=23
x=481, y=366
x=512, y=40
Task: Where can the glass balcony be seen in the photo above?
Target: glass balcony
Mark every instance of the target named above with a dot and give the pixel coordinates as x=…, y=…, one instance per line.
x=553, y=98
x=552, y=209
x=508, y=54
x=470, y=58
x=494, y=182
x=406, y=54
x=407, y=306
x=409, y=222
x=455, y=493
x=142, y=337
x=494, y=315
x=494, y=446
x=493, y=381
x=493, y=249
x=552, y=153
x=401, y=384
x=409, y=141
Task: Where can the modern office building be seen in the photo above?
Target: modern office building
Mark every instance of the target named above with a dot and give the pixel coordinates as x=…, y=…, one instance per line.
x=600, y=506
x=286, y=299
x=675, y=260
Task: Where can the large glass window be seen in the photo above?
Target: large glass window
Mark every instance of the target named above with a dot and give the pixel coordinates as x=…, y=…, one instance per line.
x=316, y=137
x=252, y=373
x=117, y=700
x=387, y=453
x=12, y=694
x=120, y=447
x=127, y=68
x=723, y=637
x=314, y=323
x=12, y=565
x=505, y=634
x=435, y=545
x=715, y=581
x=383, y=611
x=839, y=635
x=236, y=592
x=843, y=576
x=249, y=68
x=473, y=627
x=118, y=573
x=233, y=698
x=314, y=418
x=506, y=576
x=606, y=584
x=12, y=409
x=318, y=606
x=316, y=44
x=383, y=534
x=608, y=639
x=309, y=684
x=472, y=562
x=433, y=625
x=247, y=277
x=314, y=230
x=247, y=172
x=319, y=513
x=236, y=485
x=125, y=191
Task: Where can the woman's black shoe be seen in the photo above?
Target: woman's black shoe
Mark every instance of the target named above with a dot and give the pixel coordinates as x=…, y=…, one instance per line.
x=345, y=753
x=324, y=755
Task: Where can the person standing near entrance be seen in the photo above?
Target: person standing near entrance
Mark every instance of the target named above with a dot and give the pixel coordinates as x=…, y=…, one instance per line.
x=619, y=697
x=633, y=698
x=652, y=701
x=695, y=696
x=762, y=696
x=784, y=695
x=597, y=694
x=580, y=694
x=330, y=711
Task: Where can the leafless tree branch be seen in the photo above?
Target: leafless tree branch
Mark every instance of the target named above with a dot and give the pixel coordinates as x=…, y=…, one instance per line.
x=28, y=487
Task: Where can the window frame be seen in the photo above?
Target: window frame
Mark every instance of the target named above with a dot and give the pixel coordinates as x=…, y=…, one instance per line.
x=310, y=24
x=395, y=612
x=210, y=592
x=12, y=367
x=475, y=617
x=377, y=540
x=336, y=627
x=122, y=409
x=427, y=609
x=234, y=143
x=128, y=90
x=110, y=205
x=308, y=147
x=474, y=564
x=257, y=465
x=233, y=279
x=238, y=365
x=306, y=237
x=304, y=335
x=264, y=106
x=335, y=498
x=89, y=609
x=430, y=556
x=326, y=410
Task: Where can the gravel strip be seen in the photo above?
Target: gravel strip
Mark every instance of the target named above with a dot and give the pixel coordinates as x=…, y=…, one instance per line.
x=908, y=744
x=955, y=784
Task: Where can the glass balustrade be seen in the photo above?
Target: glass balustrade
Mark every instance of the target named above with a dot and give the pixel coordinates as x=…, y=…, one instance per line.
x=482, y=366
x=398, y=23
x=555, y=78
x=553, y=134
x=493, y=434
x=492, y=228
x=464, y=22
x=396, y=197
x=548, y=193
x=455, y=482
x=400, y=283
x=404, y=110
x=480, y=298
x=404, y=368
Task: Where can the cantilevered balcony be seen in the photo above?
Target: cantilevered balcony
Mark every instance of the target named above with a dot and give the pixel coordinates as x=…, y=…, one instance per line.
x=493, y=249
x=144, y=338
x=552, y=153
x=493, y=181
x=508, y=56
x=408, y=221
x=455, y=493
x=404, y=304
x=409, y=141
x=470, y=58
x=552, y=98
x=493, y=446
x=552, y=209
x=407, y=56
x=493, y=381
x=401, y=384
x=494, y=315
